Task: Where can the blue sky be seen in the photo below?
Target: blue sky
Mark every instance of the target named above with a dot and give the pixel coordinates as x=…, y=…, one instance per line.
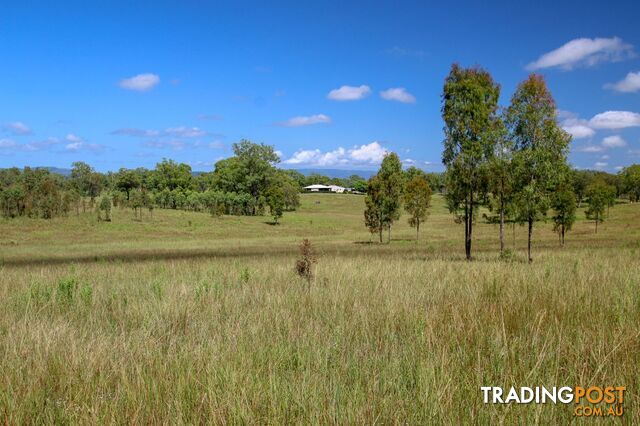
x=329, y=84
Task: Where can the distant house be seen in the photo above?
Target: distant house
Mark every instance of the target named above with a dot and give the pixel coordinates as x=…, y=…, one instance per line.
x=326, y=188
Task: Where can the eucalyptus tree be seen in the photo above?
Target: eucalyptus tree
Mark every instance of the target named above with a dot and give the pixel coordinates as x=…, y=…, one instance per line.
x=417, y=200
x=470, y=113
x=540, y=150
x=392, y=186
x=563, y=203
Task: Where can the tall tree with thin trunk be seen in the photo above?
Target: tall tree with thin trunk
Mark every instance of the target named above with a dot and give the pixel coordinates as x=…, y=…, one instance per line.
x=540, y=150
x=598, y=194
x=470, y=114
x=384, y=196
x=563, y=203
x=373, y=207
x=417, y=200
x=500, y=177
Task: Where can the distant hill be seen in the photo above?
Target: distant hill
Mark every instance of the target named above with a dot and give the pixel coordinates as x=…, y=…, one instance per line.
x=57, y=170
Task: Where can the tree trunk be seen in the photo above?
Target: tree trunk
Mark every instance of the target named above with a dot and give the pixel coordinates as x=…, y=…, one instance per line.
x=529, y=240
x=469, y=228
x=389, y=234
x=380, y=233
x=596, y=224
x=501, y=225
x=417, y=229
x=562, y=235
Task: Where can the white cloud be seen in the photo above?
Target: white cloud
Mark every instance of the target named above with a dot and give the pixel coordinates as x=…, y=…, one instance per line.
x=618, y=168
x=399, y=94
x=613, y=142
x=349, y=93
x=179, y=132
x=73, y=138
x=7, y=144
x=363, y=155
x=128, y=131
x=371, y=153
x=604, y=157
x=17, y=128
x=305, y=121
x=185, y=132
x=615, y=120
x=83, y=146
x=39, y=145
x=584, y=52
x=140, y=82
x=629, y=84
x=74, y=146
x=590, y=148
x=577, y=128
x=600, y=165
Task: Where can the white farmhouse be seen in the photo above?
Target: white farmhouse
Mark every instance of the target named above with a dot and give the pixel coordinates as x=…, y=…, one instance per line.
x=325, y=188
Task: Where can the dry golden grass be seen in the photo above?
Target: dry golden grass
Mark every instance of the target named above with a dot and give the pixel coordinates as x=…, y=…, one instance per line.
x=208, y=322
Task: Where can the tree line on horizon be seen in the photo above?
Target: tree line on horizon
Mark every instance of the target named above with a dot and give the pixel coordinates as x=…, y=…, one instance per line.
x=512, y=160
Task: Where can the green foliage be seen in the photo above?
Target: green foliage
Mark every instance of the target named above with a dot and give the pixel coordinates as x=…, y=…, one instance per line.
x=105, y=206
x=171, y=175
x=600, y=196
x=66, y=290
x=384, y=196
x=630, y=177
x=276, y=201
x=540, y=150
x=563, y=203
x=417, y=200
x=470, y=114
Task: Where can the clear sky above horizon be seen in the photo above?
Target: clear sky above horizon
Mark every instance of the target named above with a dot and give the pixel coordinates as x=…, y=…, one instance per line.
x=329, y=84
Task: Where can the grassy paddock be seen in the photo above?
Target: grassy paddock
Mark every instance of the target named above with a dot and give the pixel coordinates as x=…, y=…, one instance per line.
x=186, y=318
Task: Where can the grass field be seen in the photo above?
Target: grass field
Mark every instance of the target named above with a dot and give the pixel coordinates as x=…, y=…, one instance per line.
x=185, y=318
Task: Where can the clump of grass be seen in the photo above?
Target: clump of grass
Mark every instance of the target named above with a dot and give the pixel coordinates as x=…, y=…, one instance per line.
x=306, y=262
x=245, y=275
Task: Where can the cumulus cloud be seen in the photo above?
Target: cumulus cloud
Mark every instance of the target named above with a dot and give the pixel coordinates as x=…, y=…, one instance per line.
x=629, y=84
x=614, y=142
x=584, y=52
x=140, y=82
x=73, y=138
x=615, y=120
x=305, y=120
x=577, y=128
x=399, y=94
x=608, y=142
x=18, y=128
x=600, y=165
x=349, y=93
x=83, y=146
x=369, y=154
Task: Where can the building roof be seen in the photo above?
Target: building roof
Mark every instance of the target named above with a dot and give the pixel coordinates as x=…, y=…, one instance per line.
x=317, y=186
